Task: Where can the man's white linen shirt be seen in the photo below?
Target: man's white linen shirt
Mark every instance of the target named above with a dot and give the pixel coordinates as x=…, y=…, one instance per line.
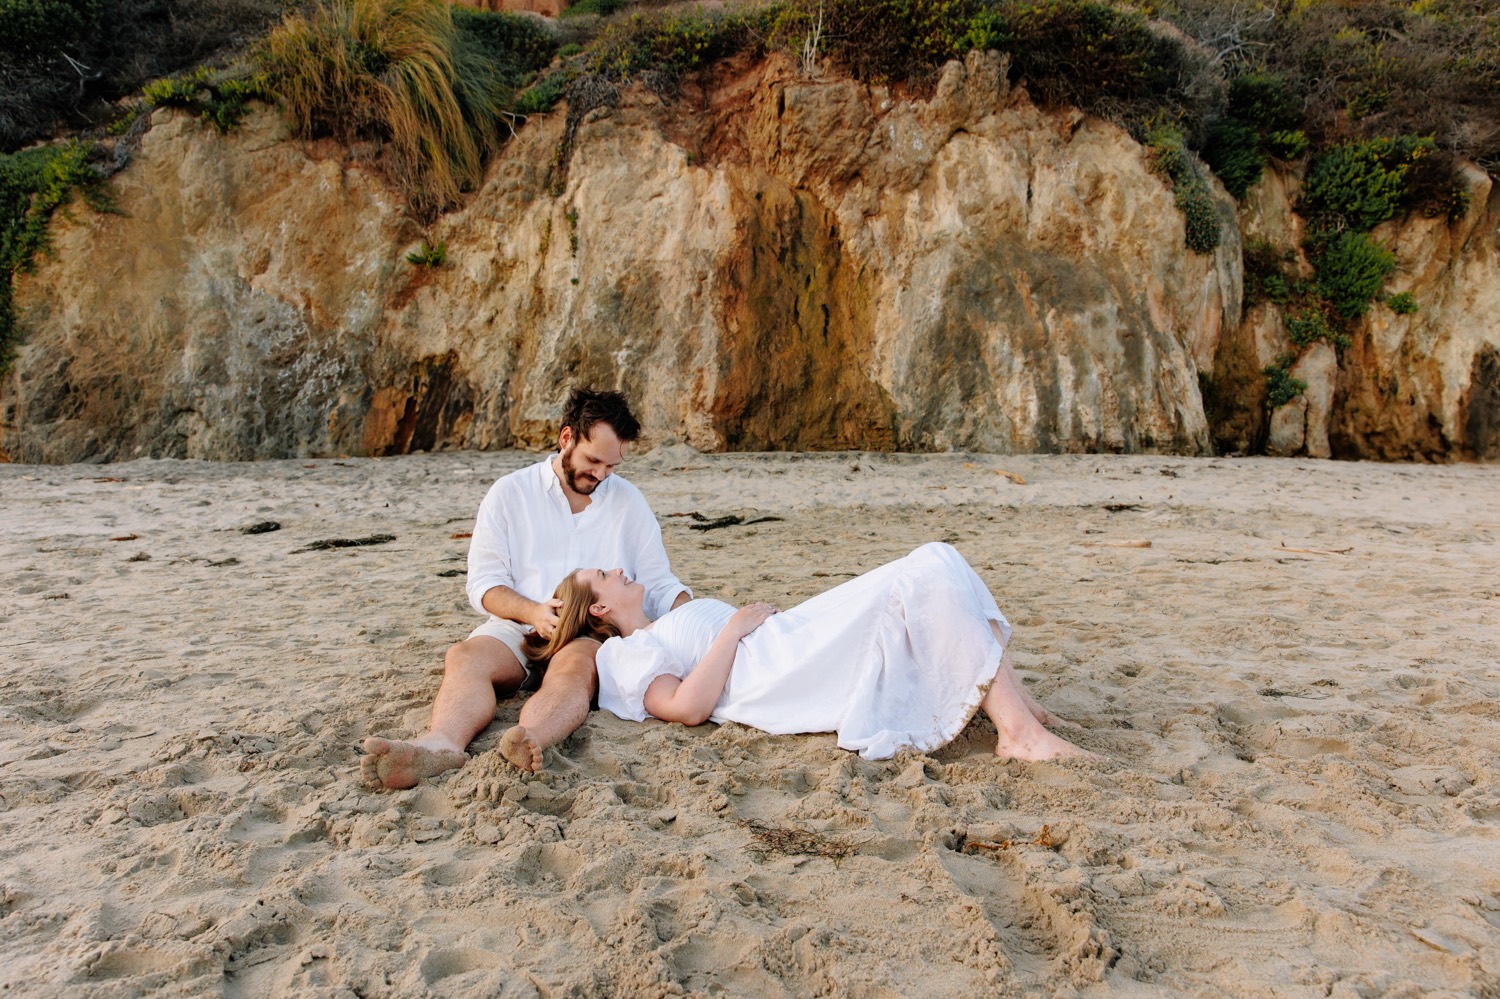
x=526, y=537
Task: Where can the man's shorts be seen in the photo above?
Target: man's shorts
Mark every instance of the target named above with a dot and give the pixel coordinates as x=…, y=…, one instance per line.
x=512, y=633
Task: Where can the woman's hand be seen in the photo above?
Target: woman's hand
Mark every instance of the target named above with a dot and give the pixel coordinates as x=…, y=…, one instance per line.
x=749, y=617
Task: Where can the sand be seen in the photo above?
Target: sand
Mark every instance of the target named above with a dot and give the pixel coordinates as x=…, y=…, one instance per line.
x=1302, y=800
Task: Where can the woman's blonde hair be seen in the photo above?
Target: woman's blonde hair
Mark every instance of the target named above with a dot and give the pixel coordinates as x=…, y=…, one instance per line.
x=573, y=621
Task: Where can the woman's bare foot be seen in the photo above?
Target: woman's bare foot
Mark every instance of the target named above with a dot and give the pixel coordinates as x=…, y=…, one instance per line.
x=1042, y=745
x=1044, y=716
x=521, y=749
x=1051, y=720
x=395, y=765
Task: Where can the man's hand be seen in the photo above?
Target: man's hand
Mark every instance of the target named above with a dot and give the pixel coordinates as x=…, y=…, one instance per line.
x=750, y=617
x=544, y=618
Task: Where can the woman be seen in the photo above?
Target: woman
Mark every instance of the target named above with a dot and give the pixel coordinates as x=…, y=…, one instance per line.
x=901, y=656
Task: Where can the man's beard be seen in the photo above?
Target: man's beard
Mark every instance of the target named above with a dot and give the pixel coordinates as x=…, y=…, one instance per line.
x=581, y=484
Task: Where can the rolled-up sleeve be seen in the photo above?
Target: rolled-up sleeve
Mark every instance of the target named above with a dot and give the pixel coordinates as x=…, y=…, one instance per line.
x=489, y=549
x=652, y=569
x=626, y=668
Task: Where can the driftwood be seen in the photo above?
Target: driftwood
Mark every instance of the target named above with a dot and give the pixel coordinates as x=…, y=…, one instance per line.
x=1141, y=543
x=1315, y=551
x=1043, y=838
x=714, y=523
x=327, y=543
x=1012, y=476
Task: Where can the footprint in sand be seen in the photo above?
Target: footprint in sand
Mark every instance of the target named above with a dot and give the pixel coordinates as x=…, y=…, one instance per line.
x=1043, y=936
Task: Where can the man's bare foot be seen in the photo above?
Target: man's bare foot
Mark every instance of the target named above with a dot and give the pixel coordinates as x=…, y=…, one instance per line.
x=395, y=765
x=521, y=749
x=1044, y=746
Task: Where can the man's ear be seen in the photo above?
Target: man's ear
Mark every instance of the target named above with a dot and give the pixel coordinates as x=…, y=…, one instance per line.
x=564, y=438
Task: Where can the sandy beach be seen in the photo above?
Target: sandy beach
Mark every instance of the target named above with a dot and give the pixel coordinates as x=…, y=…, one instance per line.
x=1296, y=685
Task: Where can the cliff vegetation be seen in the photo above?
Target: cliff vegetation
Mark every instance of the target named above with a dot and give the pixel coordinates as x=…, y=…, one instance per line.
x=1377, y=112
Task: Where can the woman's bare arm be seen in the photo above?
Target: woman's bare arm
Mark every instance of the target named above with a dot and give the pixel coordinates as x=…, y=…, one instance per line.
x=691, y=700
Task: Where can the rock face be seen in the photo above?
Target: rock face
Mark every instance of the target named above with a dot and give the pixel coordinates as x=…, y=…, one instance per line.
x=1424, y=386
x=766, y=262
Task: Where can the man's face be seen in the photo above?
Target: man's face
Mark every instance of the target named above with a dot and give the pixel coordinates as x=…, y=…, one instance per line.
x=588, y=461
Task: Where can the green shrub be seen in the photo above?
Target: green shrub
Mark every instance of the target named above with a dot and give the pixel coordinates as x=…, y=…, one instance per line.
x=231, y=99
x=1200, y=215
x=1276, y=289
x=544, y=94
x=1281, y=387
x=1452, y=204
x=1351, y=272
x=178, y=91
x=988, y=31
x=43, y=28
x=1169, y=156
x=1310, y=325
x=1233, y=153
x=602, y=8
x=1262, y=115
x=1364, y=183
x=123, y=124
x=1429, y=67
x=518, y=46
x=429, y=255
x=1264, y=101
x=666, y=45
x=1265, y=276
x=1287, y=144
x=886, y=40
x=1107, y=60
x=1111, y=62
x=394, y=70
x=34, y=184
x=1402, y=303
x=220, y=98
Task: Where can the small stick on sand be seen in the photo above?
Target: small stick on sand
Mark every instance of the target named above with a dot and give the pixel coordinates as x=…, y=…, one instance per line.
x=1315, y=551
x=1116, y=544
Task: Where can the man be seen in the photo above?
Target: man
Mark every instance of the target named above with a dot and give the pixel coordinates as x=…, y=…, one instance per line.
x=534, y=527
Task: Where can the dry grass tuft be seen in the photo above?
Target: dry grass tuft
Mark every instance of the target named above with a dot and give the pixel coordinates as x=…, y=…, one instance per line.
x=795, y=842
x=393, y=70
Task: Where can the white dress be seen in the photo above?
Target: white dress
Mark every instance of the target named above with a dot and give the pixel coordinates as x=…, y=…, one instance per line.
x=900, y=656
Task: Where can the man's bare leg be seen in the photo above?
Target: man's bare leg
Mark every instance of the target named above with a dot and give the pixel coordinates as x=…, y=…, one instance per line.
x=465, y=704
x=556, y=710
x=1022, y=736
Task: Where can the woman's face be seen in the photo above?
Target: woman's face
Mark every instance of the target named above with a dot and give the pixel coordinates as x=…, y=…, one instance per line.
x=612, y=589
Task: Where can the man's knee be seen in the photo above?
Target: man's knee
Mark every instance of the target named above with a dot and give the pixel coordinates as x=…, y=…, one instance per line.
x=575, y=664
x=486, y=658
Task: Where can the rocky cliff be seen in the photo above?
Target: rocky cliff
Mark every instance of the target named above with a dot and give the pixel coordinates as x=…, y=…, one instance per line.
x=764, y=262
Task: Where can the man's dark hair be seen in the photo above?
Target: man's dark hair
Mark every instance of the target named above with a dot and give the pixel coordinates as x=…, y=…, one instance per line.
x=586, y=407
